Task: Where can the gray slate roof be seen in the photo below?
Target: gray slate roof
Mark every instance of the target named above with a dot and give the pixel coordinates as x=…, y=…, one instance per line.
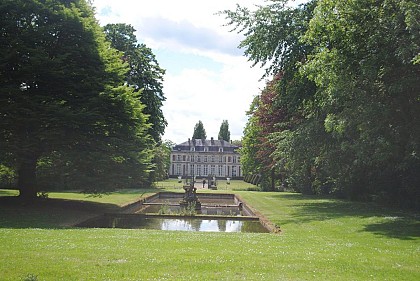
x=199, y=144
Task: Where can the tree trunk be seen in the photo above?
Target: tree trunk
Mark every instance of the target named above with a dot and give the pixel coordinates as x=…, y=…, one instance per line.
x=27, y=179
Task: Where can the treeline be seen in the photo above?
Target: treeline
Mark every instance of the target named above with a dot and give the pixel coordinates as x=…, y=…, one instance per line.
x=341, y=114
x=80, y=105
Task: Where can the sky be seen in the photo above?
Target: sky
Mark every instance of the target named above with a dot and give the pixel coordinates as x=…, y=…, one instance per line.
x=207, y=76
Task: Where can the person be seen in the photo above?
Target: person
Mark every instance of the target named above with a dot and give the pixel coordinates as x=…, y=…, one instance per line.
x=204, y=182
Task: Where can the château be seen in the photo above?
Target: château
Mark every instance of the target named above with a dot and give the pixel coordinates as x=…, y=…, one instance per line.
x=204, y=158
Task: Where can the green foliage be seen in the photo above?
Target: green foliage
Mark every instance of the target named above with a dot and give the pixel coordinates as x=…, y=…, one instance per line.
x=161, y=160
x=62, y=98
x=164, y=209
x=144, y=75
x=188, y=210
x=348, y=85
x=248, y=151
x=7, y=176
x=224, y=133
x=199, y=131
x=369, y=90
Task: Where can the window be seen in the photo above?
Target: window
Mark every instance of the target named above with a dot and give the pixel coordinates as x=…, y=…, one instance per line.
x=233, y=171
x=198, y=159
x=198, y=170
x=212, y=169
x=178, y=157
x=212, y=158
x=206, y=170
x=219, y=170
x=229, y=159
x=178, y=169
x=205, y=158
x=183, y=157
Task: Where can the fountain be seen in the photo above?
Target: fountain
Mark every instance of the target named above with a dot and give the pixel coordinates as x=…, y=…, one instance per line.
x=190, y=199
x=218, y=212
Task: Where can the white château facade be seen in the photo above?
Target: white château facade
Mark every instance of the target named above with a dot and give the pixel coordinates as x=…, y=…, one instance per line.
x=203, y=158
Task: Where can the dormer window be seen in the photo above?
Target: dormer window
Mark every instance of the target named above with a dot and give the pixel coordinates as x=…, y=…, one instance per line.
x=206, y=149
x=193, y=148
x=220, y=149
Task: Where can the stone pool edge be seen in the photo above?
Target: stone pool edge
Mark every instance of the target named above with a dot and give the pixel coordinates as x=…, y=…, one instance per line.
x=271, y=227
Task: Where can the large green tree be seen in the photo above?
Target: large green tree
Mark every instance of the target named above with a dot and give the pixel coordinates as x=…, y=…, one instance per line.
x=369, y=80
x=161, y=160
x=249, y=150
x=224, y=133
x=145, y=74
x=349, y=90
x=273, y=38
x=62, y=96
x=199, y=131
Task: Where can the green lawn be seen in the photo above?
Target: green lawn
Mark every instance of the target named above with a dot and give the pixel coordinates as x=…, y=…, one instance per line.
x=321, y=239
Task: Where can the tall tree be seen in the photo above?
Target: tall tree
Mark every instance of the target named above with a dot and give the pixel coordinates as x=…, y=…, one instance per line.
x=273, y=38
x=350, y=90
x=199, y=131
x=145, y=74
x=162, y=154
x=62, y=93
x=365, y=66
x=249, y=149
x=224, y=133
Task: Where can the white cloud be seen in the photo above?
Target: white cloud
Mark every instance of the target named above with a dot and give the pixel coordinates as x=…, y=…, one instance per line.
x=210, y=97
x=190, y=27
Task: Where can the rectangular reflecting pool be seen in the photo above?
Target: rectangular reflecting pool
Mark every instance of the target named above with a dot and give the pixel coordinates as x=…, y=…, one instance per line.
x=177, y=223
x=162, y=211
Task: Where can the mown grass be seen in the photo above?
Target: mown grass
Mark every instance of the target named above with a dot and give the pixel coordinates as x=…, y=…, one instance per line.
x=321, y=239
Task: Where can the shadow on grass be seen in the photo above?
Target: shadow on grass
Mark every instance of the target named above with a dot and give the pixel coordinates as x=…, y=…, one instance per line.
x=48, y=213
x=400, y=227
x=388, y=222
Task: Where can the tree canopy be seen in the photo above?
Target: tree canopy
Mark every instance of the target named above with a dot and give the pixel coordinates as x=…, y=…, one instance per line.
x=63, y=99
x=224, y=133
x=343, y=111
x=144, y=75
x=199, y=131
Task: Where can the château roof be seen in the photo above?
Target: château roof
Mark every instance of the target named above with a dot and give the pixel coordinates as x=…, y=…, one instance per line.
x=200, y=144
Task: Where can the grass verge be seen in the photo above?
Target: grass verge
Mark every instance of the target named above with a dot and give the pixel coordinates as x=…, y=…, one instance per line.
x=322, y=239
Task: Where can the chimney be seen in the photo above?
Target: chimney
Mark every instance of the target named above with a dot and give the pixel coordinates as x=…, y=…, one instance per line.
x=212, y=141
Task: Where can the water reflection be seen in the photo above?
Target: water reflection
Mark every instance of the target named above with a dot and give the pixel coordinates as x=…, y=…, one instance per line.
x=177, y=224
x=203, y=225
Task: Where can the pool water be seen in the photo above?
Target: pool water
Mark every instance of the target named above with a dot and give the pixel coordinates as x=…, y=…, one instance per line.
x=176, y=223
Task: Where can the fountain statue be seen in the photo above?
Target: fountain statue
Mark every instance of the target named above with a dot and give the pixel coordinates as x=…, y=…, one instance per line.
x=190, y=198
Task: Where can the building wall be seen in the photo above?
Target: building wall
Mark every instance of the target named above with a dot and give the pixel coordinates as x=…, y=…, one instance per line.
x=203, y=164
